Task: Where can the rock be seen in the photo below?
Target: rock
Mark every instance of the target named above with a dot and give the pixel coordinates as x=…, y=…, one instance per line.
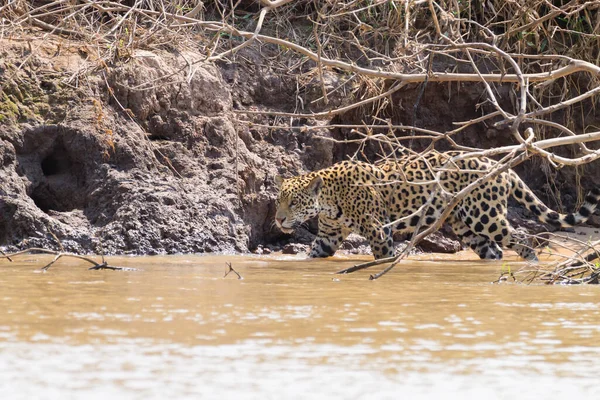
x=260, y=250
x=295, y=248
x=437, y=242
x=305, y=235
x=355, y=244
x=354, y=241
x=401, y=246
x=521, y=218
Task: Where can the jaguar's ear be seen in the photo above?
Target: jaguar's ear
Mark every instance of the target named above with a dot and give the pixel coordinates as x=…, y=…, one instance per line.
x=278, y=180
x=315, y=185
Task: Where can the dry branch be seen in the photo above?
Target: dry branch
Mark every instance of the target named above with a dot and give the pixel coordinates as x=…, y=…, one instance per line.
x=230, y=269
x=35, y=250
x=7, y=257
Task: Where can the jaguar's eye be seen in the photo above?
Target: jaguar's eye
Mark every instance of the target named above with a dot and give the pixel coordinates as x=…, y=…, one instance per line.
x=293, y=202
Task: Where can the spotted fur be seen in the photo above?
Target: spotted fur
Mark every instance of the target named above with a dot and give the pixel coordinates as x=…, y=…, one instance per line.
x=377, y=200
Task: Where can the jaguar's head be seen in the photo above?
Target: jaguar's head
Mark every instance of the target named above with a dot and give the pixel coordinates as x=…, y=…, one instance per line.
x=298, y=201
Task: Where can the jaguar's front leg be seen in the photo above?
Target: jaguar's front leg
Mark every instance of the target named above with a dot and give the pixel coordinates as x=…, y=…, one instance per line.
x=330, y=237
x=380, y=238
x=374, y=222
x=382, y=242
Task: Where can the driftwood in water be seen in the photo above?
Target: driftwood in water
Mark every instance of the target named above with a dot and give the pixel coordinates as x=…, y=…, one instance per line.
x=578, y=269
x=230, y=269
x=59, y=255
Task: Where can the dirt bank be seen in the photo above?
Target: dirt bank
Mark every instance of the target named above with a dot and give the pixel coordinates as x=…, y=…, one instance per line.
x=90, y=161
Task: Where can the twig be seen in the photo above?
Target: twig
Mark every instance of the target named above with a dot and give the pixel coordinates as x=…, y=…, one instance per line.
x=106, y=266
x=35, y=250
x=7, y=257
x=261, y=19
x=420, y=96
x=330, y=113
x=358, y=267
x=232, y=270
x=60, y=246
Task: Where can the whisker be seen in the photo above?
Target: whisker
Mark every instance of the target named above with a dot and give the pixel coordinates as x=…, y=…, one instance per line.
x=272, y=226
x=304, y=225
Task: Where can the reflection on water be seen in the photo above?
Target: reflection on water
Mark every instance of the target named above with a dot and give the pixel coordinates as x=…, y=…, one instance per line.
x=176, y=328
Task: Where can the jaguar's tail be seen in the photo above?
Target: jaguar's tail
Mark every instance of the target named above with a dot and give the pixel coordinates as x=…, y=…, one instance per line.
x=525, y=196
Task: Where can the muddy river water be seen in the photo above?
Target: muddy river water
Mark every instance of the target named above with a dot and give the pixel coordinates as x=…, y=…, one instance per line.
x=432, y=328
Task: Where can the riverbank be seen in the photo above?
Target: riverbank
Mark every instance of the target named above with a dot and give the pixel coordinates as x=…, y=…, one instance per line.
x=147, y=156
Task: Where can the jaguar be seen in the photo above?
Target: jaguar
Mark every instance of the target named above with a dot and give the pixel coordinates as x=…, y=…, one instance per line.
x=400, y=195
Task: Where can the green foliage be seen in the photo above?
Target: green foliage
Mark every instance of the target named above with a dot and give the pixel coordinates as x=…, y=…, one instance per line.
x=8, y=107
x=506, y=266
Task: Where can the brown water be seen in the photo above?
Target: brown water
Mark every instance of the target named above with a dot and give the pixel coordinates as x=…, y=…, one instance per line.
x=291, y=329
